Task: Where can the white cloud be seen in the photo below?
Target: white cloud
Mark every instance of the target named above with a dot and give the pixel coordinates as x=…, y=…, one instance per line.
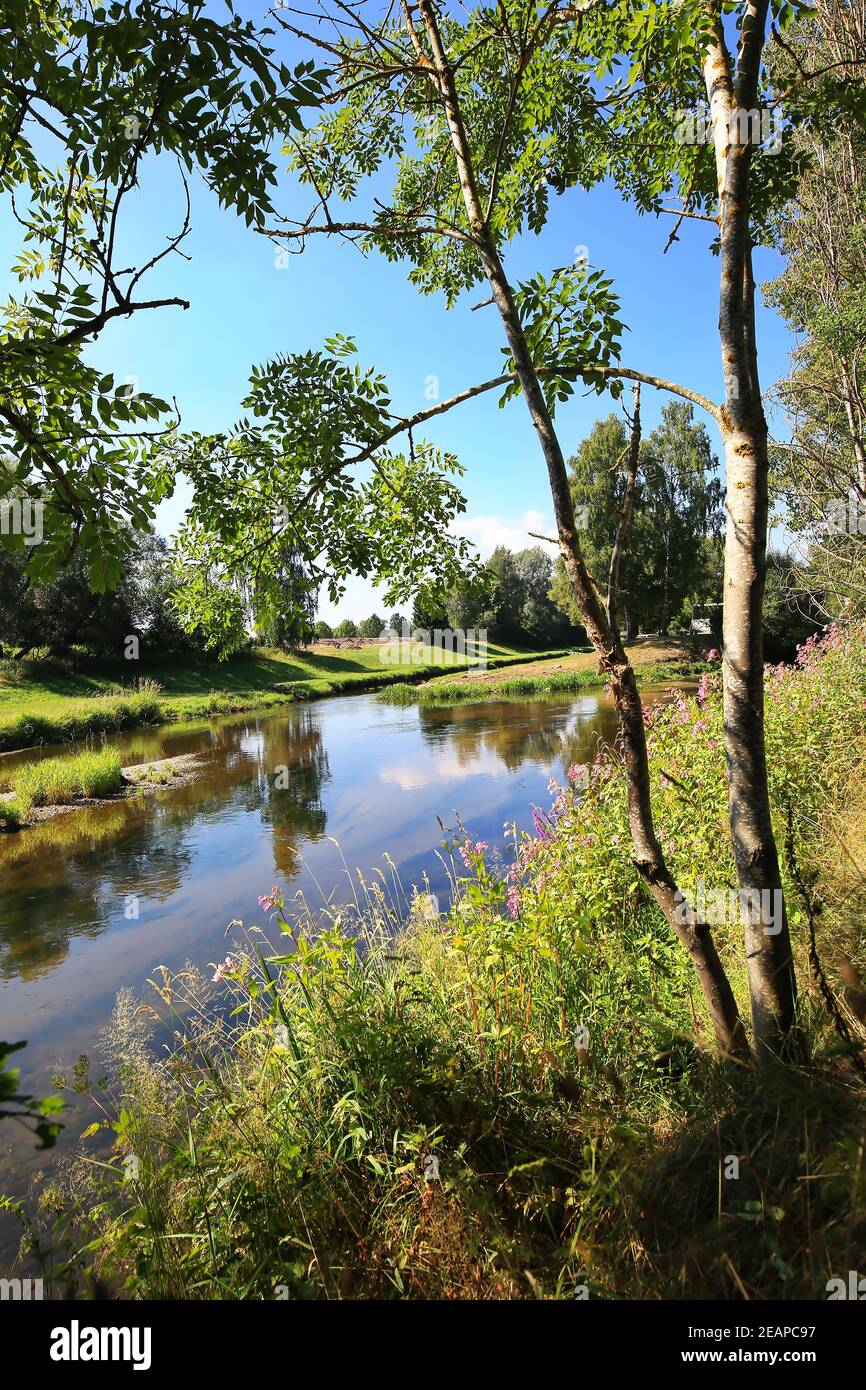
x=515, y=533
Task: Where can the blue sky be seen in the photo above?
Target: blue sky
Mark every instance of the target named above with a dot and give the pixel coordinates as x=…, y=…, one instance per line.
x=244, y=309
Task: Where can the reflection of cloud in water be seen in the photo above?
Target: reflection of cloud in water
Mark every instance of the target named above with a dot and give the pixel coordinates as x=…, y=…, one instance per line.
x=444, y=768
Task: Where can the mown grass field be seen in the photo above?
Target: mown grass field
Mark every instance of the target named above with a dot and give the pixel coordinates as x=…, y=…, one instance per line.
x=42, y=702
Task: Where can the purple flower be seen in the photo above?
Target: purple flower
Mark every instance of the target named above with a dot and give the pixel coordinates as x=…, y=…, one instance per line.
x=272, y=899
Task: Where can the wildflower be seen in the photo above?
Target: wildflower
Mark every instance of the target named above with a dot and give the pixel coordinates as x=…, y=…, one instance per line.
x=712, y=655
x=541, y=823
x=272, y=899
x=224, y=968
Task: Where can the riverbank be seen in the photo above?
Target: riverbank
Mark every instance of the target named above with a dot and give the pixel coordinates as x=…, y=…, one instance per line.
x=654, y=660
x=519, y=1098
x=45, y=703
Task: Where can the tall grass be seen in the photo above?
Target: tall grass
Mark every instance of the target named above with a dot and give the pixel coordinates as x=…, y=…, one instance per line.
x=518, y=1097
x=57, y=781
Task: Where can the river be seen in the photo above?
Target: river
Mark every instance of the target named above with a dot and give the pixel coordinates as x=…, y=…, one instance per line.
x=96, y=898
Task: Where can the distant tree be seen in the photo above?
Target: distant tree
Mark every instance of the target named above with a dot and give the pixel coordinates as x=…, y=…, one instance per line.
x=346, y=628
x=64, y=613
x=680, y=506
x=540, y=619
x=283, y=611
x=323, y=629
x=791, y=616
x=155, y=617
x=373, y=626
x=672, y=558
x=502, y=615
x=468, y=602
x=397, y=622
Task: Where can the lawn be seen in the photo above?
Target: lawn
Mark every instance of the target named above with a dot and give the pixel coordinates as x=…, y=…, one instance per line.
x=43, y=702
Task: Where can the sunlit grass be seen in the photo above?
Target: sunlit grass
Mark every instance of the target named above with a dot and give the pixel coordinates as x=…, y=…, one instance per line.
x=58, y=781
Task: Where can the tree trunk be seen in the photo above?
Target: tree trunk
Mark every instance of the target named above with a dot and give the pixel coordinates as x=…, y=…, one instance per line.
x=694, y=933
x=772, y=983
x=666, y=591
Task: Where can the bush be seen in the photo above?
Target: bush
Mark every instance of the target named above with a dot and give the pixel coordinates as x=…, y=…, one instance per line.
x=10, y=816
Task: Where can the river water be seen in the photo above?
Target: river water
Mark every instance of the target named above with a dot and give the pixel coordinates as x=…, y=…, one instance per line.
x=95, y=899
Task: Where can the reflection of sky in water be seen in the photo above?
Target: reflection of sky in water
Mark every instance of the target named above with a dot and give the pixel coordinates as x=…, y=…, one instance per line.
x=373, y=777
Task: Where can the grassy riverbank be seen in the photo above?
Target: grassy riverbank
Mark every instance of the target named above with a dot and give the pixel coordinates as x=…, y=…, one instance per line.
x=654, y=660
x=520, y=1098
x=43, y=702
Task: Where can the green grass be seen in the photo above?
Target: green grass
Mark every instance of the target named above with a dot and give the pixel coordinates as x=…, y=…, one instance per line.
x=10, y=816
x=58, y=781
x=40, y=703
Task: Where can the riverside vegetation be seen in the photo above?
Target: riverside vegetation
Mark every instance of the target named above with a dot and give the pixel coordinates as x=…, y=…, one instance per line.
x=46, y=702
x=519, y=1097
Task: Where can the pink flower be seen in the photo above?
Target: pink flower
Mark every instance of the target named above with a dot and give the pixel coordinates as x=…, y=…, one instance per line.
x=272, y=899
x=712, y=654
x=224, y=968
